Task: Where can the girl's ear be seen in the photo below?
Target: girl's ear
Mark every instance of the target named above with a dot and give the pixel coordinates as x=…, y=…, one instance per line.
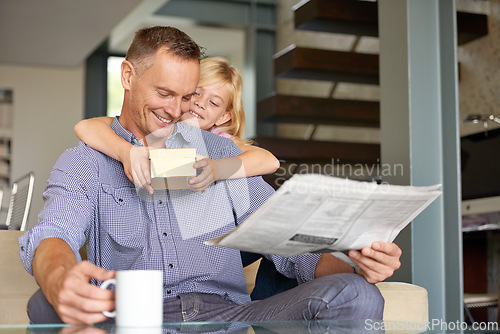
x=127, y=72
x=223, y=118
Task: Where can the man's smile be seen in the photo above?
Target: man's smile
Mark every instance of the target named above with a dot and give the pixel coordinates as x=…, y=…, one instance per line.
x=162, y=119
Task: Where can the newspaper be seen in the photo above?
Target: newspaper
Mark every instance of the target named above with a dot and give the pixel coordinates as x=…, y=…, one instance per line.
x=313, y=213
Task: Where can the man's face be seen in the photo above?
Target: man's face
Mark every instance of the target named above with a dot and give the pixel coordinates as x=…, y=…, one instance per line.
x=160, y=95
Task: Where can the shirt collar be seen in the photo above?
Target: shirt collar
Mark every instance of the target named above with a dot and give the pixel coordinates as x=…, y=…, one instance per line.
x=188, y=133
x=124, y=133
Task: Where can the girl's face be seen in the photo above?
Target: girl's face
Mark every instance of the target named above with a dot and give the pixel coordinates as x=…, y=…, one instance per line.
x=208, y=107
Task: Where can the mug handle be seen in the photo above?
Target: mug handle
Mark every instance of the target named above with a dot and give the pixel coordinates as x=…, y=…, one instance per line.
x=104, y=285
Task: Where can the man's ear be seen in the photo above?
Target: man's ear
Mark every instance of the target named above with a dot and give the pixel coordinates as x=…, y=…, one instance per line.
x=127, y=72
x=223, y=118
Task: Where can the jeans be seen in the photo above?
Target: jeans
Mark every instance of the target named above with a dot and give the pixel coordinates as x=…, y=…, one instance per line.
x=339, y=297
x=269, y=281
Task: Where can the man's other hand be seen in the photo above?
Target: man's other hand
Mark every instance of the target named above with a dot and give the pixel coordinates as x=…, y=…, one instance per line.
x=377, y=262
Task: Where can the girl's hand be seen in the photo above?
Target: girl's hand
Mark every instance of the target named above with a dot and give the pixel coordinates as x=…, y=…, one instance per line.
x=136, y=167
x=207, y=175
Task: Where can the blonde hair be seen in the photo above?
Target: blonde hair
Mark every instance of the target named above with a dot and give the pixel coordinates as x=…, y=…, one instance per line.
x=217, y=70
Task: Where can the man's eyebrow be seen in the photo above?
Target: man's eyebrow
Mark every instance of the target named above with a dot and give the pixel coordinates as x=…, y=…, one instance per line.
x=166, y=90
x=190, y=94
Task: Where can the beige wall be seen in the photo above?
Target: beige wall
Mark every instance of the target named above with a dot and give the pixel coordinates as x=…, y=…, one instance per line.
x=48, y=101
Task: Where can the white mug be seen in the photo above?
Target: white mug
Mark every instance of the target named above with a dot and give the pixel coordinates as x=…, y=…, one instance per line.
x=139, y=298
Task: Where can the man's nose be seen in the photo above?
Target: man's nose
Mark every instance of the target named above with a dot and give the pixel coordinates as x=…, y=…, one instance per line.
x=175, y=108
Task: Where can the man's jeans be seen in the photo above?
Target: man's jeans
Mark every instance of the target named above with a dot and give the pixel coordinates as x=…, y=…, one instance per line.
x=339, y=297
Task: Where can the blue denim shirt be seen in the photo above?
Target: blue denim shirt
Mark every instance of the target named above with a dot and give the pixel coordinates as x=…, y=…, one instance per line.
x=90, y=201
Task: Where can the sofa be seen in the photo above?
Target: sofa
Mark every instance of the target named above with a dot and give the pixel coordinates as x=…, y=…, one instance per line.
x=16, y=285
x=403, y=302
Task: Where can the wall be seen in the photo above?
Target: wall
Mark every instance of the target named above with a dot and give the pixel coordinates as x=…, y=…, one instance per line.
x=48, y=101
x=479, y=70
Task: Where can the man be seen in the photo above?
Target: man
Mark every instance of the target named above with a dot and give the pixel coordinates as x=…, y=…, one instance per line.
x=90, y=201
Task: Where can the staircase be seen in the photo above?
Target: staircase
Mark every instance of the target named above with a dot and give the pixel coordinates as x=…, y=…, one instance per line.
x=347, y=17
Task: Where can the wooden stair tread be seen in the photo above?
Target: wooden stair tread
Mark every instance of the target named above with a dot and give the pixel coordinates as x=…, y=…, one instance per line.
x=315, y=110
x=296, y=150
x=471, y=26
x=361, y=18
x=338, y=16
x=334, y=66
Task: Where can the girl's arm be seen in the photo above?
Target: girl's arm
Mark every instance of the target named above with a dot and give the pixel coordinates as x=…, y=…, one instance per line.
x=96, y=133
x=255, y=160
x=252, y=162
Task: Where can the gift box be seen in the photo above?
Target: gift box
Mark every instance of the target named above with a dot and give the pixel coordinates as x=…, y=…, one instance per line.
x=172, y=168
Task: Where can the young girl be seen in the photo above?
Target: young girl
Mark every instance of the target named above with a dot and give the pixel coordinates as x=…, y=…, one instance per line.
x=217, y=107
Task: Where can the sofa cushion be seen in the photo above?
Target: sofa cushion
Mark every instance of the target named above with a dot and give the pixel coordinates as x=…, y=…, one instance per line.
x=16, y=285
x=404, y=302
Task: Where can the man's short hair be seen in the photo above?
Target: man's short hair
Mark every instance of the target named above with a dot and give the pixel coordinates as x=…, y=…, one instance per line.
x=148, y=41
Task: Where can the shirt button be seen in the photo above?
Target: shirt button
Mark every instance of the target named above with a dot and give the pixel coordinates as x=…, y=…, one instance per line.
x=22, y=248
x=165, y=234
x=169, y=291
x=160, y=201
x=170, y=265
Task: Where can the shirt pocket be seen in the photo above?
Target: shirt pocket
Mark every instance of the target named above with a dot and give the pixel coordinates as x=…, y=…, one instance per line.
x=212, y=207
x=123, y=218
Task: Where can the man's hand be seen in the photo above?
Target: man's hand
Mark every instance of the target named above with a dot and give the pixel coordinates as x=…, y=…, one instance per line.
x=377, y=262
x=74, y=298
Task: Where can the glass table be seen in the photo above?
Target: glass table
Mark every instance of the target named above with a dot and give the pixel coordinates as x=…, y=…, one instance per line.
x=282, y=327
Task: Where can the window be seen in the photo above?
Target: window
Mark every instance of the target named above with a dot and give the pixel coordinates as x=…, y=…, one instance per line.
x=115, y=89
